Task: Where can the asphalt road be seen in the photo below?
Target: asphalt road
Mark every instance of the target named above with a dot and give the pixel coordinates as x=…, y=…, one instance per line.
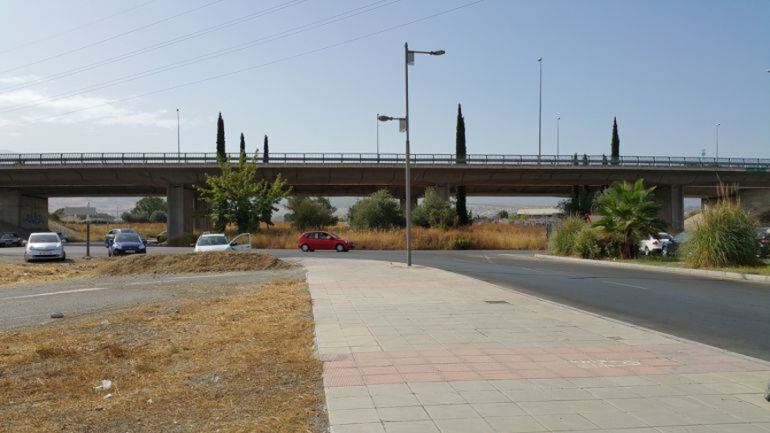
x=728, y=314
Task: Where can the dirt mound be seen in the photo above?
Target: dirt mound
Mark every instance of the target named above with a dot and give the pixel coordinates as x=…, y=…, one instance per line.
x=140, y=264
x=189, y=263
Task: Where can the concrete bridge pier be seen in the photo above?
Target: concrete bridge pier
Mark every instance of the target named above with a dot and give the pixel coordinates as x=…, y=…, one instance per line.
x=756, y=200
x=181, y=209
x=23, y=213
x=671, y=200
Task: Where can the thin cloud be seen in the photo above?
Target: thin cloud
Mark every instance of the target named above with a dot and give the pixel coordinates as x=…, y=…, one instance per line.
x=21, y=79
x=95, y=110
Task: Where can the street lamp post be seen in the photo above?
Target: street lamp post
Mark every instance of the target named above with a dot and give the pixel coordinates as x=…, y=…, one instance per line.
x=716, y=135
x=178, y=136
x=378, y=136
x=540, y=114
x=408, y=60
x=558, y=118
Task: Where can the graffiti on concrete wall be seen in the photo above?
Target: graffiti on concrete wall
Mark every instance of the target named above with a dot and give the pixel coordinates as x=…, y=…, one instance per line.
x=33, y=219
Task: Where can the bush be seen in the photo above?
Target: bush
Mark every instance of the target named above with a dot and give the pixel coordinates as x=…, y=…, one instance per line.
x=310, y=213
x=462, y=242
x=135, y=217
x=158, y=216
x=586, y=243
x=378, y=211
x=724, y=237
x=562, y=241
x=434, y=211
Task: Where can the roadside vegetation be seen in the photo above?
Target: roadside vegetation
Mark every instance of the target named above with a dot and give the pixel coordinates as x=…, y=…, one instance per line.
x=723, y=238
x=180, y=366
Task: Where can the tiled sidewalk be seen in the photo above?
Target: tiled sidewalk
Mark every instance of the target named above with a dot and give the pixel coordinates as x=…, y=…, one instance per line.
x=423, y=350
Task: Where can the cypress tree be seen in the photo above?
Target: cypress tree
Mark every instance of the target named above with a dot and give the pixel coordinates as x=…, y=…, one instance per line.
x=461, y=153
x=266, y=152
x=221, y=155
x=243, y=148
x=615, y=146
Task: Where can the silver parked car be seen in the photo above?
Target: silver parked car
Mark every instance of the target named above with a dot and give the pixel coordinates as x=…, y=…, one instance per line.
x=44, y=246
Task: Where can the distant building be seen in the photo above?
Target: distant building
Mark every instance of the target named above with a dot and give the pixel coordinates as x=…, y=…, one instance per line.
x=79, y=211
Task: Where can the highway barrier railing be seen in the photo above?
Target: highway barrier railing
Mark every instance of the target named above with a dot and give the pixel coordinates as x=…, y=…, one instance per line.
x=210, y=159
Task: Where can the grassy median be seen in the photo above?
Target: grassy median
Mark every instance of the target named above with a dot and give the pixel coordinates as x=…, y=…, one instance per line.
x=231, y=364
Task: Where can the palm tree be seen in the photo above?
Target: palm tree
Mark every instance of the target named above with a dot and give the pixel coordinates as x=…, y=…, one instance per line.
x=628, y=214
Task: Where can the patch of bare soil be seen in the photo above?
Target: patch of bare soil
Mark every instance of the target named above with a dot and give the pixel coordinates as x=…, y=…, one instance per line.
x=232, y=364
x=140, y=264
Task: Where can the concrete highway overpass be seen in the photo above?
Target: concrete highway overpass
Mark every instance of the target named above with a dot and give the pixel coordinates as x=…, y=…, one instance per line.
x=28, y=180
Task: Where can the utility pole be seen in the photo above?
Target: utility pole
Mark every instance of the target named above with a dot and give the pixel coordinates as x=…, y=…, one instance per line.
x=558, y=118
x=540, y=114
x=178, y=136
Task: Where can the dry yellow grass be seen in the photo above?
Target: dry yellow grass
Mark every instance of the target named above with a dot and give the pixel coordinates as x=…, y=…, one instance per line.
x=99, y=231
x=487, y=236
x=139, y=264
x=234, y=364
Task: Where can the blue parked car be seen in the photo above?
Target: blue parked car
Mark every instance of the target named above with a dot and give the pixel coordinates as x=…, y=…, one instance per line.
x=126, y=243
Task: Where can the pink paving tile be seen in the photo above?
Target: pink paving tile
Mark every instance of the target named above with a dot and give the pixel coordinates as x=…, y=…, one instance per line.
x=409, y=354
x=422, y=377
x=418, y=368
x=477, y=358
x=443, y=359
x=643, y=370
x=658, y=362
x=537, y=374
x=522, y=365
x=510, y=358
x=539, y=357
x=379, y=379
x=453, y=367
x=563, y=350
x=407, y=361
x=369, y=355
x=340, y=372
x=461, y=375
x=378, y=370
x=340, y=364
x=467, y=351
x=381, y=362
x=488, y=366
x=437, y=352
x=498, y=375
x=343, y=381
x=499, y=351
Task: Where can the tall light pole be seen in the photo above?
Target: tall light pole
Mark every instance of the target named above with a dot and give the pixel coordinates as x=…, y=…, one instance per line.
x=558, y=118
x=178, y=136
x=378, y=136
x=540, y=114
x=716, y=136
x=408, y=60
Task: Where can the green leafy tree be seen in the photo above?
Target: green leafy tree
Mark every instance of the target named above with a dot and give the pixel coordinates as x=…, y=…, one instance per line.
x=434, y=211
x=628, y=214
x=221, y=152
x=235, y=196
x=149, y=205
x=503, y=214
x=580, y=202
x=242, y=156
x=615, y=145
x=158, y=216
x=378, y=211
x=309, y=213
x=461, y=153
x=266, y=151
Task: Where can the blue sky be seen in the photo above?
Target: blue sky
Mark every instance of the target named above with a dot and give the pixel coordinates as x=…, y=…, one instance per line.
x=669, y=70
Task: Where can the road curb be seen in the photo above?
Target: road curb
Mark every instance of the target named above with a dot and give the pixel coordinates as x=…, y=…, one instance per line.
x=717, y=275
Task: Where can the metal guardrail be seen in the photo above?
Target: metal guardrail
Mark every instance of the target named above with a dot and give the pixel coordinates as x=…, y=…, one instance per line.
x=210, y=159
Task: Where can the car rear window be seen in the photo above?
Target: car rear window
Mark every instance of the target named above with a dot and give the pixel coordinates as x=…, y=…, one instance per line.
x=212, y=240
x=127, y=237
x=43, y=238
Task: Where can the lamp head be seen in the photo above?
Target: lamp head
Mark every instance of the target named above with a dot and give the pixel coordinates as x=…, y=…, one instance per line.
x=437, y=53
x=384, y=118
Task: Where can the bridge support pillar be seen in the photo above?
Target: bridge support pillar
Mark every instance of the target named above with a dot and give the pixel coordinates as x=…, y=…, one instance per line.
x=23, y=213
x=181, y=209
x=757, y=201
x=671, y=200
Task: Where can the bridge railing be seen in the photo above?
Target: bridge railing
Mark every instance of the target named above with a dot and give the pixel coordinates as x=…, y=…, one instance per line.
x=205, y=159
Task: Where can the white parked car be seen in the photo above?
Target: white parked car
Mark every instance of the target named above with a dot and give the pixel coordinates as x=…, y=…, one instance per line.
x=44, y=246
x=655, y=245
x=208, y=242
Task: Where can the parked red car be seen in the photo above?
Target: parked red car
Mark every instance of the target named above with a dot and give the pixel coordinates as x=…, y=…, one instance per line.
x=319, y=240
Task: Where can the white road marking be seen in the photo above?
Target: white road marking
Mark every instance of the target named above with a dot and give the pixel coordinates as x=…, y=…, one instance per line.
x=63, y=292
x=530, y=269
x=627, y=285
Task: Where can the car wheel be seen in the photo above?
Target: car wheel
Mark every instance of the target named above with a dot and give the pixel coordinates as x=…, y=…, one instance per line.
x=109, y=253
x=305, y=248
x=64, y=257
x=340, y=248
x=646, y=251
